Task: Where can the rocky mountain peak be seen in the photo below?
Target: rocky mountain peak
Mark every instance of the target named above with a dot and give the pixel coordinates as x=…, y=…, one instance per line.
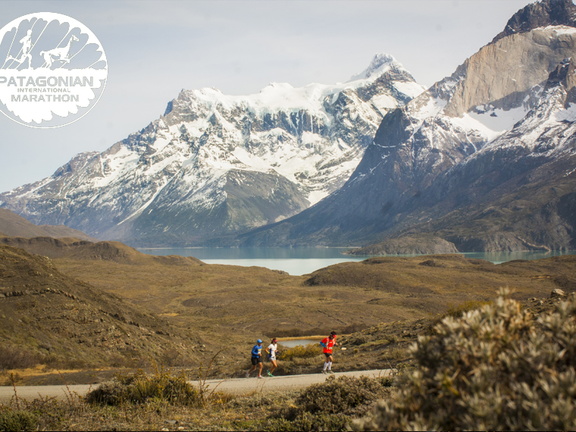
x=215, y=164
x=541, y=14
x=492, y=76
x=379, y=64
x=495, y=140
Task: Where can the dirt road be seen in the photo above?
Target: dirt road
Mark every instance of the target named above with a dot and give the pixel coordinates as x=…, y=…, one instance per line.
x=231, y=385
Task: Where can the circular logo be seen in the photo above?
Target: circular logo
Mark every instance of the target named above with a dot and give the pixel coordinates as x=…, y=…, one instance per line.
x=53, y=70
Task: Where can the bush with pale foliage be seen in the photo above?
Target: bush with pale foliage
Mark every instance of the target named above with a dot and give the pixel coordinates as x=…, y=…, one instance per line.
x=495, y=368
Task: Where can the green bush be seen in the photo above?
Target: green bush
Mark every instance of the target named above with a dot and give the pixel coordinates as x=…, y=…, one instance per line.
x=495, y=368
x=17, y=421
x=139, y=388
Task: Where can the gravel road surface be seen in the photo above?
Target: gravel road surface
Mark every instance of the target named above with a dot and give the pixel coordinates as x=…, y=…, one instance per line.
x=231, y=385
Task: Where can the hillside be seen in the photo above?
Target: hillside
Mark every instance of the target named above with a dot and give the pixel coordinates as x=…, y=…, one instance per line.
x=88, y=250
x=13, y=225
x=252, y=301
x=102, y=300
x=354, y=294
x=50, y=318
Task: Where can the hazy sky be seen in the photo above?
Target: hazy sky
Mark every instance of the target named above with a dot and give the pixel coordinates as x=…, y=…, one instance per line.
x=156, y=48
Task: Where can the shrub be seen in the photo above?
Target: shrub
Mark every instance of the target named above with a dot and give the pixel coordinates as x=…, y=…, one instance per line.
x=495, y=368
x=345, y=395
x=12, y=357
x=138, y=388
x=467, y=306
x=330, y=405
x=17, y=421
x=309, y=422
x=299, y=351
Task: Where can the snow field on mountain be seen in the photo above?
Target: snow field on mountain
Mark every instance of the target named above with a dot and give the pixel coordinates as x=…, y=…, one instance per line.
x=270, y=154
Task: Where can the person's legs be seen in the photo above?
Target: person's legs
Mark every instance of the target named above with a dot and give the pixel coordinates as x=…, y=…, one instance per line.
x=273, y=367
x=330, y=360
x=260, y=365
x=253, y=368
x=327, y=362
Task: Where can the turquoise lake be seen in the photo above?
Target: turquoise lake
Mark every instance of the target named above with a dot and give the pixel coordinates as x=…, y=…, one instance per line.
x=304, y=260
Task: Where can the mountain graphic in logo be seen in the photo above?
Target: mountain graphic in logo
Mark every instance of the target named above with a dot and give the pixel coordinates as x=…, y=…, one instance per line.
x=53, y=70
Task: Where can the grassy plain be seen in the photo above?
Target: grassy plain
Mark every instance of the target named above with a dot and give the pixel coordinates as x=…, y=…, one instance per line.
x=257, y=302
x=224, y=309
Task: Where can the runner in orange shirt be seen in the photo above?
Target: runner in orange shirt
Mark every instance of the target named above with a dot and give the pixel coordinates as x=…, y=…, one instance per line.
x=327, y=346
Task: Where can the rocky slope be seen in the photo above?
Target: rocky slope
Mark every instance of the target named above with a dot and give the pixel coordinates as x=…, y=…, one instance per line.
x=50, y=318
x=110, y=251
x=484, y=160
x=12, y=224
x=216, y=164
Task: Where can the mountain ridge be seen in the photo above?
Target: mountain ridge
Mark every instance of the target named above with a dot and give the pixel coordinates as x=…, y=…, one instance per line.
x=482, y=159
x=13, y=225
x=422, y=152
x=540, y=14
x=215, y=164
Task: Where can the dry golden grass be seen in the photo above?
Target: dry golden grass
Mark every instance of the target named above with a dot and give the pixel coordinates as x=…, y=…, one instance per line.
x=228, y=307
x=256, y=302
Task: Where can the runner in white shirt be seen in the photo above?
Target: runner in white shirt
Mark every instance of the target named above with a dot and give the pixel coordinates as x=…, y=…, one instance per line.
x=272, y=350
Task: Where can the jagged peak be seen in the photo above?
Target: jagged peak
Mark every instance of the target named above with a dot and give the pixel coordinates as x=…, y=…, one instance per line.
x=379, y=64
x=282, y=96
x=540, y=14
x=204, y=94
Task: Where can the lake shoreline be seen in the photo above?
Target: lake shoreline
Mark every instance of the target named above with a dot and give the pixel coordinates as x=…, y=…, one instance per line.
x=305, y=260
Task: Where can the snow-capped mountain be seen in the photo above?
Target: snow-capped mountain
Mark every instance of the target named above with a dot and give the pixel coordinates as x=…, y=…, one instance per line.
x=483, y=160
x=521, y=186
x=217, y=164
